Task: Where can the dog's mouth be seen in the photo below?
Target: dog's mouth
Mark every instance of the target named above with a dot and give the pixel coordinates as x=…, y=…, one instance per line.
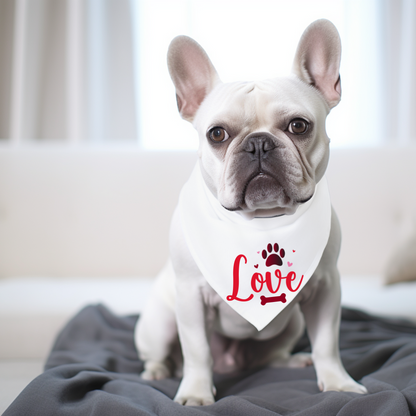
x=261, y=191
x=263, y=195
x=264, y=191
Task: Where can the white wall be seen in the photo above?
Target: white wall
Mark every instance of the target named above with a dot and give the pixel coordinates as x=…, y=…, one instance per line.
x=87, y=212
x=373, y=191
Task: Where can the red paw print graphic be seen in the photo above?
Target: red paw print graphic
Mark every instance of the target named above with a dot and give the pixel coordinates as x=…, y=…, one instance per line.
x=273, y=255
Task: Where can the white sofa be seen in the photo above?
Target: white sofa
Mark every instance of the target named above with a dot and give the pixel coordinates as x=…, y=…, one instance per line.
x=87, y=225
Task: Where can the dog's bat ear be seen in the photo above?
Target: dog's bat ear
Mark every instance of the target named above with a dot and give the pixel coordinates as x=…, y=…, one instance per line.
x=192, y=73
x=317, y=60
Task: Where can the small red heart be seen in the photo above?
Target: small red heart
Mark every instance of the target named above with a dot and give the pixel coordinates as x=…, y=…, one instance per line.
x=289, y=264
x=256, y=266
x=294, y=251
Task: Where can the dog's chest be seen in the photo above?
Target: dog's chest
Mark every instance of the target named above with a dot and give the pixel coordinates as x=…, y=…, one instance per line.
x=226, y=321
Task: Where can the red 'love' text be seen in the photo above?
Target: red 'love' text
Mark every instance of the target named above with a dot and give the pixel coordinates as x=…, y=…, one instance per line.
x=258, y=281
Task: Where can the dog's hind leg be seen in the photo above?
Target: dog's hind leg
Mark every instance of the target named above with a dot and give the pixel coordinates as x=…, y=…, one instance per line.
x=281, y=355
x=155, y=335
x=156, y=331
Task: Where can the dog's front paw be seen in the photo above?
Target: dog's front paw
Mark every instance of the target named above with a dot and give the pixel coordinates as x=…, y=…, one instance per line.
x=195, y=393
x=195, y=401
x=340, y=382
x=346, y=385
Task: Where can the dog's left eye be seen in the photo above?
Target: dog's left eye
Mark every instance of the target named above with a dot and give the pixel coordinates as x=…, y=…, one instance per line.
x=218, y=134
x=298, y=126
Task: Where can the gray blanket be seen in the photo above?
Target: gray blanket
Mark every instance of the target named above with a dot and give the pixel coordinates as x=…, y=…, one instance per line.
x=93, y=370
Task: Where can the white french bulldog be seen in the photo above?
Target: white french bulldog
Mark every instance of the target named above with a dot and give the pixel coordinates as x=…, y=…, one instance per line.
x=254, y=241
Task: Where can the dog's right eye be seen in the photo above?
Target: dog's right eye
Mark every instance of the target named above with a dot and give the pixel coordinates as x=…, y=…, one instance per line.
x=218, y=134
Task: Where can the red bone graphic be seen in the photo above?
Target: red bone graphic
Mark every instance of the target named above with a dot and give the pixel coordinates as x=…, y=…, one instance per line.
x=281, y=298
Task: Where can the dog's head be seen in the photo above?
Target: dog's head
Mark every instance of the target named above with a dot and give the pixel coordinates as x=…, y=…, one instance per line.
x=263, y=145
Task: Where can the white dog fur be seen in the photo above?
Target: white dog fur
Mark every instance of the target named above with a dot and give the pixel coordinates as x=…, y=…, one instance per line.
x=212, y=335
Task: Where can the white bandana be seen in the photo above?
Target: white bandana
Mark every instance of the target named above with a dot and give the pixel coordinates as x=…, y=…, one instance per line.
x=257, y=266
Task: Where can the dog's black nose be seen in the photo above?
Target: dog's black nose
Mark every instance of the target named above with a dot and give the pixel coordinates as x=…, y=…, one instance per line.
x=259, y=145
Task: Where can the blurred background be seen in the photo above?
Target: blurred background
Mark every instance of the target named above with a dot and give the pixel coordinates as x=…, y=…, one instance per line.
x=94, y=71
